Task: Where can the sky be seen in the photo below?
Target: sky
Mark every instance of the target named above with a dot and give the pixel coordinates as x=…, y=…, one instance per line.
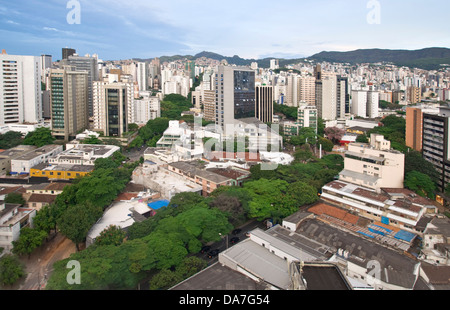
x=252, y=29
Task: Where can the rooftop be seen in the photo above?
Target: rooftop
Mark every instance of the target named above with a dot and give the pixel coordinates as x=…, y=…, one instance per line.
x=38, y=152
x=191, y=169
x=396, y=268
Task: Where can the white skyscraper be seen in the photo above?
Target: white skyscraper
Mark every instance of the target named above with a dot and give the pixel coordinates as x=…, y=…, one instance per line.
x=326, y=97
x=365, y=103
x=20, y=89
x=142, y=76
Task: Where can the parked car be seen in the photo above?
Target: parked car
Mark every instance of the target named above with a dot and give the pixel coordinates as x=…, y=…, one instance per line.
x=236, y=231
x=234, y=240
x=205, y=249
x=213, y=253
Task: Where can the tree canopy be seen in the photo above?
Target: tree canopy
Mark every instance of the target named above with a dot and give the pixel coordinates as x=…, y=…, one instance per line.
x=40, y=137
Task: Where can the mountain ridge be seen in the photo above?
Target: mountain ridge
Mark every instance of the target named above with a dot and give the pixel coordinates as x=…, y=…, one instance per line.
x=427, y=58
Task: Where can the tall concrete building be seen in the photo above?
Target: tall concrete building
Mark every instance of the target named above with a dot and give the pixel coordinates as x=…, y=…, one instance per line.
x=326, y=96
x=66, y=52
x=235, y=94
x=264, y=103
x=89, y=65
x=365, y=104
x=414, y=94
x=209, y=105
x=142, y=76
x=307, y=89
x=145, y=109
x=113, y=107
x=68, y=102
x=435, y=146
x=307, y=116
x=343, y=97
x=414, y=123
x=20, y=89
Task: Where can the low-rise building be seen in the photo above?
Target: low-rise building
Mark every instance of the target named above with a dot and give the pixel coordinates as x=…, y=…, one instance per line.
x=13, y=218
x=401, y=208
x=436, y=241
x=13, y=153
x=196, y=173
x=374, y=165
x=60, y=172
x=83, y=154
x=24, y=163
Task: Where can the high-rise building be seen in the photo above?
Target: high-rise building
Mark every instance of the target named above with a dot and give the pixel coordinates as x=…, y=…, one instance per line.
x=307, y=89
x=326, y=96
x=307, y=116
x=189, y=68
x=20, y=89
x=414, y=123
x=90, y=65
x=68, y=102
x=142, y=74
x=264, y=103
x=66, y=52
x=145, y=109
x=413, y=94
x=235, y=94
x=435, y=145
x=209, y=105
x=343, y=97
x=274, y=64
x=365, y=104
x=113, y=107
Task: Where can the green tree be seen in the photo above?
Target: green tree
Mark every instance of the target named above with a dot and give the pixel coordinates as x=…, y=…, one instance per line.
x=327, y=145
x=112, y=235
x=10, y=139
x=77, y=220
x=15, y=198
x=414, y=161
x=362, y=139
x=164, y=280
x=29, y=240
x=11, y=269
x=40, y=137
x=420, y=183
x=92, y=140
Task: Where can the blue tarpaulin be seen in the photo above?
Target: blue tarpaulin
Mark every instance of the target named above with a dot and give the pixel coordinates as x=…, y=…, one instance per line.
x=405, y=235
x=379, y=232
x=159, y=204
x=367, y=235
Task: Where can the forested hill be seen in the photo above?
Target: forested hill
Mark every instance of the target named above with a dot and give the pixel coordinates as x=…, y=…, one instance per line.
x=428, y=58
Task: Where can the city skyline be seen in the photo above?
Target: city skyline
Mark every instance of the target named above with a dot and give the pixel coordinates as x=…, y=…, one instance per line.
x=122, y=30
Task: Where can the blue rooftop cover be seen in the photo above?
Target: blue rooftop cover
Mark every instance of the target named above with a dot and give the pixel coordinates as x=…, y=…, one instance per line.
x=158, y=204
x=405, y=235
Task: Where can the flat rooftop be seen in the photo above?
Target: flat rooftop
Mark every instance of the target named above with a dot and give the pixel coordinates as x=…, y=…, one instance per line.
x=38, y=152
x=218, y=277
x=396, y=268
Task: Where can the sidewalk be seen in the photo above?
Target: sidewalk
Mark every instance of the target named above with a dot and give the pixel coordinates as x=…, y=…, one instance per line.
x=39, y=266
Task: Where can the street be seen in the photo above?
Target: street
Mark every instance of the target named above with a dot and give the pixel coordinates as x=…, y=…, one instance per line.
x=40, y=264
x=225, y=242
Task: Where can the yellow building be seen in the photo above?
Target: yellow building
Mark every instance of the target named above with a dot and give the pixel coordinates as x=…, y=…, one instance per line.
x=60, y=172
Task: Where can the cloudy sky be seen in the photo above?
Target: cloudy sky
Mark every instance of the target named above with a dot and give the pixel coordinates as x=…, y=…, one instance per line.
x=124, y=29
